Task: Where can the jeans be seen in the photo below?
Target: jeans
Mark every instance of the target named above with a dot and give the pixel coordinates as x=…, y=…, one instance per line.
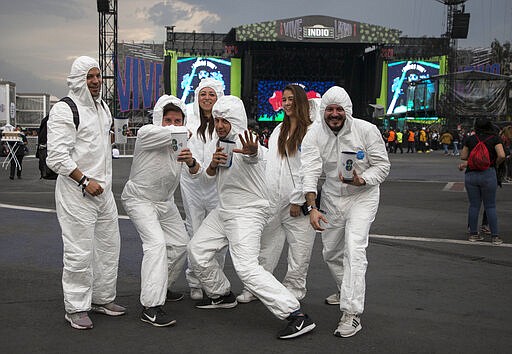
x=481, y=187
x=455, y=147
x=445, y=148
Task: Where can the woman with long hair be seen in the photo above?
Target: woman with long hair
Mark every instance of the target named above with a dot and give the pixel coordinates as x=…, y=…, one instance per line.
x=481, y=185
x=284, y=184
x=200, y=195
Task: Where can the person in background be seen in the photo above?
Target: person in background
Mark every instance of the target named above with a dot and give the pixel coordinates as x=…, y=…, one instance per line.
x=350, y=206
x=399, y=141
x=481, y=186
x=506, y=138
x=391, y=141
x=85, y=205
x=410, y=141
x=148, y=198
x=21, y=149
x=446, y=141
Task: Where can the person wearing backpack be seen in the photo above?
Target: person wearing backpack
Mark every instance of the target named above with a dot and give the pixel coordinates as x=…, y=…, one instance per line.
x=85, y=205
x=482, y=153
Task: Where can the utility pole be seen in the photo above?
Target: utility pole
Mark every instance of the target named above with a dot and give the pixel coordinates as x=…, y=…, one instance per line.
x=107, y=10
x=457, y=25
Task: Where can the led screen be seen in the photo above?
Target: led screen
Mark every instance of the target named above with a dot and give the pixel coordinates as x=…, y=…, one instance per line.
x=191, y=70
x=270, y=93
x=403, y=97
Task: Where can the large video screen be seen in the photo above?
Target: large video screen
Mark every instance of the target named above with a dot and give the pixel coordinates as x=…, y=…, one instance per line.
x=270, y=95
x=401, y=96
x=191, y=70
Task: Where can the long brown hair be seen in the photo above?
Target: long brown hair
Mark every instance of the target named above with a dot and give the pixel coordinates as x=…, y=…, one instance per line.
x=206, y=122
x=301, y=110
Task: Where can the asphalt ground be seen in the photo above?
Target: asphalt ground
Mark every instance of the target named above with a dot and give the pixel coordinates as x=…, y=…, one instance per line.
x=428, y=289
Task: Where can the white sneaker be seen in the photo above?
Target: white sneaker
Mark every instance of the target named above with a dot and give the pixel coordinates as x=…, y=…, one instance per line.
x=196, y=293
x=333, y=299
x=245, y=297
x=348, y=326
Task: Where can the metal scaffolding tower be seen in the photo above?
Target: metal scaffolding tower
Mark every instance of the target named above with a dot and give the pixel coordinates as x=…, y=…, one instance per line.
x=107, y=10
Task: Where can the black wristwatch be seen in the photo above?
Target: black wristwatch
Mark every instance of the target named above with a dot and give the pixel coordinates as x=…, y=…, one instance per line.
x=193, y=163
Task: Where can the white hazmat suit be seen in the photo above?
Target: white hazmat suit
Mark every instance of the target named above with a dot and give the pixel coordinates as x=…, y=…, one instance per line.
x=349, y=209
x=148, y=198
x=200, y=195
x=284, y=184
x=90, y=230
x=238, y=221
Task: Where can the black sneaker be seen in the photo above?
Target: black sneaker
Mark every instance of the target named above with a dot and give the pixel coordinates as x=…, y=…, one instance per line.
x=223, y=302
x=297, y=326
x=156, y=316
x=172, y=296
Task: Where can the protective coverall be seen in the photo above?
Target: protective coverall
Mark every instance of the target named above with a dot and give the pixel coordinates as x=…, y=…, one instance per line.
x=200, y=195
x=349, y=209
x=237, y=221
x=148, y=198
x=284, y=184
x=90, y=230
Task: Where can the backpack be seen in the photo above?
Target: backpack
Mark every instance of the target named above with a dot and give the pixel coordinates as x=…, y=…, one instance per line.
x=479, y=159
x=42, y=152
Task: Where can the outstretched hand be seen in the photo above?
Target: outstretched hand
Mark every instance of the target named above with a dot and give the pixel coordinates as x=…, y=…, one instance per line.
x=249, y=144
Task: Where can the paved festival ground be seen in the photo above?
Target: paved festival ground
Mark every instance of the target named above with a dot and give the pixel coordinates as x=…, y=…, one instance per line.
x=428, y=289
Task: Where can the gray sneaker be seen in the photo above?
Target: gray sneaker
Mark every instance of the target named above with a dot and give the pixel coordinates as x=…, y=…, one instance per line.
x=333, y=299
x=110, y=309
x=485, y=229
x=496, y=240
x=348, y=326
x=246, y=296
x=474, y=238
x=79, y=320
x=196, y=293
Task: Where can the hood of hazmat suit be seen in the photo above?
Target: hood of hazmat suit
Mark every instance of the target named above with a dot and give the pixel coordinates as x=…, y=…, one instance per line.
x=321, y=149
x=87, y=147
x=155, y=171
x=195, y=120
x=242, y=184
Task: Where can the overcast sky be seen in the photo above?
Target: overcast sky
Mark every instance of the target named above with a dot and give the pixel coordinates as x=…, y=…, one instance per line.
x=39, y=39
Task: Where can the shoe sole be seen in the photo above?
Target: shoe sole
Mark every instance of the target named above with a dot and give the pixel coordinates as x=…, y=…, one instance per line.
x=299, y=333
x=219, y=306
x=74, y=325
x=176, y=299
x=158, y=324
x=357, y=329
x=106, y=311
x=246, y=301
x=476, y=240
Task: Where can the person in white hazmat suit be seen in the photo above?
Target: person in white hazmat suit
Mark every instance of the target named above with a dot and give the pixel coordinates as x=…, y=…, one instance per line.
x=148, y=198
x=350, y=206
x=284, y=183
x=237, y=222
x=86, y=210
x=200, y=195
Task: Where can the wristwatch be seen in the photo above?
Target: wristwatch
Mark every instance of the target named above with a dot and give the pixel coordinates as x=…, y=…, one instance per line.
x=193, y=163
x=311, y=207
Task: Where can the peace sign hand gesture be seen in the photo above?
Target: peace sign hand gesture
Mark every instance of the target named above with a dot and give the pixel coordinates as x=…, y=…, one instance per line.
x=249, y=144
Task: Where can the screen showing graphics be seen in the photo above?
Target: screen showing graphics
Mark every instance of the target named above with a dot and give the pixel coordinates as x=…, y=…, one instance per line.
x=191, y=70
x=401, y=96
x=270, y=95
